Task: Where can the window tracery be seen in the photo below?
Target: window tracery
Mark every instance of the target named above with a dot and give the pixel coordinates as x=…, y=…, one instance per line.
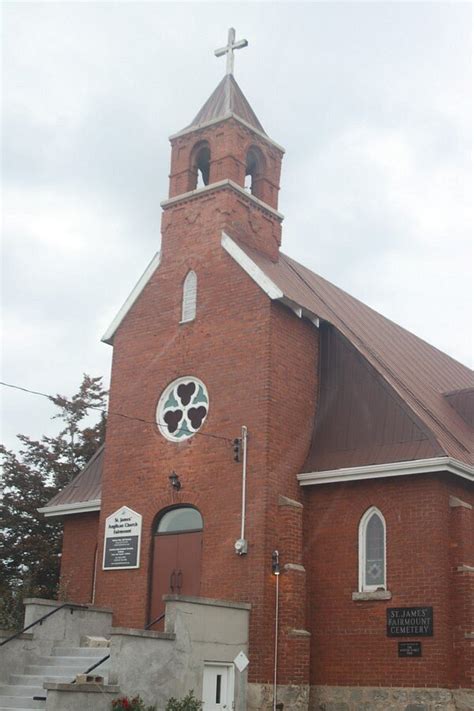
x=372, y=551
x=182, y=408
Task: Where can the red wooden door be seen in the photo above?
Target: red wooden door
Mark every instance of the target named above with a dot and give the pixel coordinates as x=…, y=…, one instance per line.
x=176, y=569
x=189, y=563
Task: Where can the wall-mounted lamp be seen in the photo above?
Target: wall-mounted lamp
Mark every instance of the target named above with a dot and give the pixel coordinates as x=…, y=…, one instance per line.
x=174, y=481
x=275, y=563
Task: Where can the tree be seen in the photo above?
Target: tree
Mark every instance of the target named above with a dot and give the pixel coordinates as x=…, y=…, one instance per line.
x=31, y=543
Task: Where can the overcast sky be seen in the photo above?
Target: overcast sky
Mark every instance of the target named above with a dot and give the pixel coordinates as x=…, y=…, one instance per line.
x=371, y=101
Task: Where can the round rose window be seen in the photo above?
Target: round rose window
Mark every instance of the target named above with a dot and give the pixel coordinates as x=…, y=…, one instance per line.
x=182, y=408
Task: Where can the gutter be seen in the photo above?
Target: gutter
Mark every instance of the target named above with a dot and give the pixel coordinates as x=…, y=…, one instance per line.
x=381, y=471
x=67, y=509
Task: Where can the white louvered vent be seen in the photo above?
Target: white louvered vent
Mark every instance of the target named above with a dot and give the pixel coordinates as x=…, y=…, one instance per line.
x=188, y=312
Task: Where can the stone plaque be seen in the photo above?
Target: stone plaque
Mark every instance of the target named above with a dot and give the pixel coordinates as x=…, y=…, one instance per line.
x=409, y=622
x=409, y=649
x=123, y=531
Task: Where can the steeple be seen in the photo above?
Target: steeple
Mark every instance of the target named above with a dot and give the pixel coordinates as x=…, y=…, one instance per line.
x=226, y=100
x=225, y=148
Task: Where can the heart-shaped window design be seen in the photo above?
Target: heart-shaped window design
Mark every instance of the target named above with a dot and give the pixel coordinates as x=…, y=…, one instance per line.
x=182, y=408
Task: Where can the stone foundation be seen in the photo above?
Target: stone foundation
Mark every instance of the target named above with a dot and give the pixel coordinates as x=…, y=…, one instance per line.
x=363, y=698
x=260, y=697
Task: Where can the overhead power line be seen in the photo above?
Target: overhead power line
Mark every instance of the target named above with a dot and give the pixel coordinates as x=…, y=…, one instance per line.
x=110, y=412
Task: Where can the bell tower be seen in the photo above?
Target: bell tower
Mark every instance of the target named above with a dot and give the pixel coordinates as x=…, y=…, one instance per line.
x=225, y=150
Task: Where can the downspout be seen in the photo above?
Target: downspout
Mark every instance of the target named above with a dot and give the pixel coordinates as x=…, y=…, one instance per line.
x=241, y=544
x=275, y=667
x=94, y=575
x=244, y=480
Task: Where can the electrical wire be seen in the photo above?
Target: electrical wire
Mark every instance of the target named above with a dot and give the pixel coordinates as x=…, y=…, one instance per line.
x=110, y=412
x=275, y=651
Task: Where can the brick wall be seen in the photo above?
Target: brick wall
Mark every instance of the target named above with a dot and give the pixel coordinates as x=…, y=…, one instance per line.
x=78, y=556
x=235, y=347
x=461, y=533
x=229, y=142
x=256, y=375
x=349, y=643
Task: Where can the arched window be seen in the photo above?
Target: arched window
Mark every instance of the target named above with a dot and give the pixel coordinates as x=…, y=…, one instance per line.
x=254, y=168
x=188, y=309
x=180, y=520
x=372, y=551
x=201, y=163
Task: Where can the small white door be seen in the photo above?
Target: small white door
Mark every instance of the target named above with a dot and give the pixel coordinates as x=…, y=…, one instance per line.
x=218, y=687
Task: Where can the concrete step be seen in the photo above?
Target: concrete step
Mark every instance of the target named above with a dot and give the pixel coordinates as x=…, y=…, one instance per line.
x=47, y=670
x=21, y=702
x=80, y=651
x=64, y=663
x=82, y=662
x=27, y=680
x=21, y=690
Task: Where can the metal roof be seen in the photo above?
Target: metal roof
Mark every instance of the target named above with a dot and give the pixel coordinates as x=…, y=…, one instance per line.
x=226, y=99
x=418, y=372
x=463, y=403
x=84, y=488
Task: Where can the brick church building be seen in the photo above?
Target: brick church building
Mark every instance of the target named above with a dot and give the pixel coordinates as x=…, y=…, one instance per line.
x=273, y=441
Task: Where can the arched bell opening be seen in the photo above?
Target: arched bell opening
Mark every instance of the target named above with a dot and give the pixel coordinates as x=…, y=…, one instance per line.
x=200, y=164
x=254, y=171
x=176, y=558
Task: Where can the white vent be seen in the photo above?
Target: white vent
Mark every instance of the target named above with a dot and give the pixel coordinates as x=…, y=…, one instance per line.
x=188, y=312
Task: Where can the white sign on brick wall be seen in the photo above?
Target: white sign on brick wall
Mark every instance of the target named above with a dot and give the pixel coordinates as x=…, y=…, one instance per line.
x=123, y=530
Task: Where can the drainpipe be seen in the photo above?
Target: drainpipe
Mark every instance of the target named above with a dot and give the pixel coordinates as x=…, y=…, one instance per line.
x=276, y=572
x=94, y=575
x=241, y=544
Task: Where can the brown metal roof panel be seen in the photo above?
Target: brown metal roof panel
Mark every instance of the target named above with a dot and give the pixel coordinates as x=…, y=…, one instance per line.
x=417, y=371
x=360, y=420
x=86, y=486
x=463, y=402
x=227, y=98
x=377, y=454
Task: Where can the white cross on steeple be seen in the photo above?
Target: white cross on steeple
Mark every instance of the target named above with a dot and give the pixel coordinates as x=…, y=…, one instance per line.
x=229, y=50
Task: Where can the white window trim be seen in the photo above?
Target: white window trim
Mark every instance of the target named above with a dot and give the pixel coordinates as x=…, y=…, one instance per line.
x=189, y=295
x=363, y=587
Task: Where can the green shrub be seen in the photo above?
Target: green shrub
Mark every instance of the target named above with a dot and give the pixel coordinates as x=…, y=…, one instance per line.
x=189, y=703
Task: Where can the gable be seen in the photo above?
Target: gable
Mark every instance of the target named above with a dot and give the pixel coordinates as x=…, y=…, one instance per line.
x=359, y=419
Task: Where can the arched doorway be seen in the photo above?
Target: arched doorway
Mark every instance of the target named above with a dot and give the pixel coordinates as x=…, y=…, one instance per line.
x=176, y=563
